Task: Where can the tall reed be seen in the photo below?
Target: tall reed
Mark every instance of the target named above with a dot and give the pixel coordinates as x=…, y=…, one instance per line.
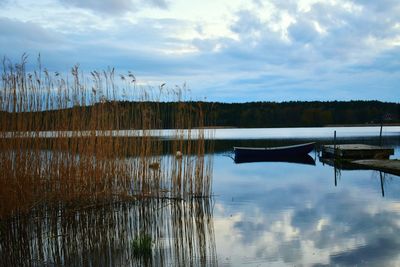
x=58, y=144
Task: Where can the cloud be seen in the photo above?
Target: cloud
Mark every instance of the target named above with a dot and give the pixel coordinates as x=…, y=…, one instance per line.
x=127, y=46
x=270, y=50
x=115, y=7
x=304, y=31
x=163, y=4
x=31, y=31
x=247, y=24
x=322, y=47
x=381, y=7
x=327, y=32
x=17, y=37
x=4, y=2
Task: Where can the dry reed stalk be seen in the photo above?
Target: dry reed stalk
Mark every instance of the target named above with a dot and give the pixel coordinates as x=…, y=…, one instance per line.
x=81, y=159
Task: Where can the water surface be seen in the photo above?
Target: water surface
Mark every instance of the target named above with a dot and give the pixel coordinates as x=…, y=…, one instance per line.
x=283, y=214
x=228, y=133
x=261, y=214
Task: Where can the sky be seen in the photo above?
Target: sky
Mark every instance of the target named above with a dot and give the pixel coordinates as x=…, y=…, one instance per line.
x=223, y=50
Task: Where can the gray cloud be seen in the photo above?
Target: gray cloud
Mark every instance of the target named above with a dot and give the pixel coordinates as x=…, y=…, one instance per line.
x=163, y=4
x=303, y=31
x=382, y=6
x=246, y=23
x=105, y=6
x=133, y=46
x=115, y=7
x=18, y=37
x=31, y=31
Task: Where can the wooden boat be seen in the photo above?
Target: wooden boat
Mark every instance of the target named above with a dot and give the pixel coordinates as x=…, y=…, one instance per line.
x=273, y=152
x=299, y=159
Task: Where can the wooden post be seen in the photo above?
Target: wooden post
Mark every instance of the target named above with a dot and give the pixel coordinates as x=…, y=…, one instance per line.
x=380, y=134
x=334, y=156
x=382, y=188
x=335, y=170
x=334, y=144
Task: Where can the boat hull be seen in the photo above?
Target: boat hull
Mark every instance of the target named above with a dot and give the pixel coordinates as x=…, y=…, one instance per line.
x=273, y=152
x=300, y=159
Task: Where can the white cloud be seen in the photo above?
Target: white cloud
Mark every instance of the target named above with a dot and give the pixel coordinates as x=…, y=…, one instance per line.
x=261, y=46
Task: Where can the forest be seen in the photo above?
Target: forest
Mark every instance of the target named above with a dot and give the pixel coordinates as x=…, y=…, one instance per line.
x=305, y=114
x=240, y=115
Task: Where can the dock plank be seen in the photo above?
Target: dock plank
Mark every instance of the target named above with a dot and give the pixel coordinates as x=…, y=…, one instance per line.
x=357, y=151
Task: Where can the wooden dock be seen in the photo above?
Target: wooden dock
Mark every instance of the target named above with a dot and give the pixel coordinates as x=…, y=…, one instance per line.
x=356, y=151
x=389, y=166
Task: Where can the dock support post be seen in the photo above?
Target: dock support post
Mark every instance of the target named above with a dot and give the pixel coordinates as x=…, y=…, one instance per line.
x=335, y=170
x=380, y=135
x=334, y=144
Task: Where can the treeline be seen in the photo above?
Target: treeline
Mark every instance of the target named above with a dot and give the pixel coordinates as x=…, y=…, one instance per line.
x=242, y=115
x=297, y=114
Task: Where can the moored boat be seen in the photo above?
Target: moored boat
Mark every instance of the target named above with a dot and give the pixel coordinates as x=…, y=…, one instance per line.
x=273, y=152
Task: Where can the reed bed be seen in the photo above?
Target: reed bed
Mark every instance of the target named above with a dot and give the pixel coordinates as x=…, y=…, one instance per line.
x=80, y=161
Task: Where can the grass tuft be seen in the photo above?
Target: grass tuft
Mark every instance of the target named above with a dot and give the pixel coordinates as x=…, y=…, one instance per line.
x=142, y=246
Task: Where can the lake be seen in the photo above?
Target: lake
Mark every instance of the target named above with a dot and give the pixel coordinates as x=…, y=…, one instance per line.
x=285, y=214
x=260, y=214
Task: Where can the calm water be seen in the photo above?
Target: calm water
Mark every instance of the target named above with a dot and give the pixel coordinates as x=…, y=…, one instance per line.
x=302, y=133
x=261, y=214
x=278, y=214
x=236, y=133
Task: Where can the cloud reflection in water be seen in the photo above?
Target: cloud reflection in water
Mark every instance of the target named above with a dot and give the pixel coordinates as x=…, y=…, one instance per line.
x=282, y=214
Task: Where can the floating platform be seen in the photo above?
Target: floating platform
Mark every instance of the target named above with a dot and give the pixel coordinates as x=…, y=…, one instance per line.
x=389, y=166
x=356, y=151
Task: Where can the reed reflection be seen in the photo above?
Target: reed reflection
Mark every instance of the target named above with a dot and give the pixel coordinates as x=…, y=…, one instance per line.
x=180, y=233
